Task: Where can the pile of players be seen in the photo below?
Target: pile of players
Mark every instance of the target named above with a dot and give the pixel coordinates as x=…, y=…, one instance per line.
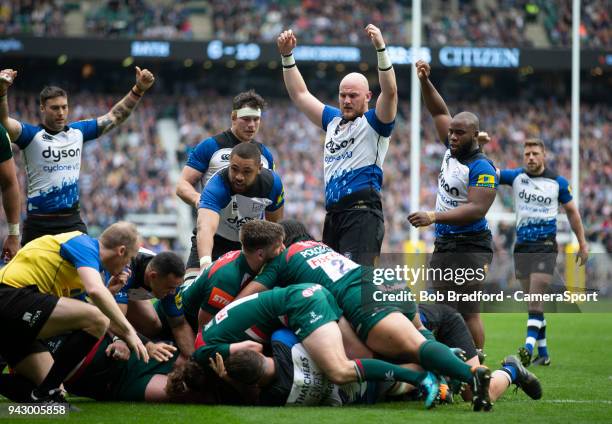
x=261, y=314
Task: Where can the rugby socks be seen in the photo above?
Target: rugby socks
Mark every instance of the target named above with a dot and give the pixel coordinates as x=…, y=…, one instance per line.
x=436, y=357
x=511, y=370
x=16, y=388
x=541, y=340
x=377, y=370
x=534, y=324
x=76, y=346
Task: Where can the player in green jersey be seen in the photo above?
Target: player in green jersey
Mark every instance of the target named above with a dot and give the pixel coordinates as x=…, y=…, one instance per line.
x=311, y=312
x=385, y=328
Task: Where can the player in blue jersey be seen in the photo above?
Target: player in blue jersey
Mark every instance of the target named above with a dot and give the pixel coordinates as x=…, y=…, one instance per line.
x=150, y=276
x=213, y=154
x=237, y=194
x=38, y=288
x=52, y=153
x=538, y=192
x=466, y=189
x=356, y=143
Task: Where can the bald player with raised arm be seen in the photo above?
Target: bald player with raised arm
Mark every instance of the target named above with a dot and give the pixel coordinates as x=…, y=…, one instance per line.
x=356, y=143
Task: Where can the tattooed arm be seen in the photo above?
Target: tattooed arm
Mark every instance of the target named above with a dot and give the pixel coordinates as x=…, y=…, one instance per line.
x=120, y=111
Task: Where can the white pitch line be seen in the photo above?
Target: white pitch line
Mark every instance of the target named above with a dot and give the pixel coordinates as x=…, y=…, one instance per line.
x=607, y=402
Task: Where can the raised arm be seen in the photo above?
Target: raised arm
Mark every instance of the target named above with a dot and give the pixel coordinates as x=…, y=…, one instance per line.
x=433, y=101
x=296, y=87
x=122, y=109
x=13, y=127
x=386, y=104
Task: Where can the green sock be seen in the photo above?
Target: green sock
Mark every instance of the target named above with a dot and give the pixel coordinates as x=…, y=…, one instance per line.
x=434, y=356
x=377, y=370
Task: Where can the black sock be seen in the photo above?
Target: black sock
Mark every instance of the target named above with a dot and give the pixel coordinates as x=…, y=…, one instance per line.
x=76, y=346
x=16, y=388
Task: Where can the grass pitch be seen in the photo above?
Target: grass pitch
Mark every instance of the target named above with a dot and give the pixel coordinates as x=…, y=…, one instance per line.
x=577, y=388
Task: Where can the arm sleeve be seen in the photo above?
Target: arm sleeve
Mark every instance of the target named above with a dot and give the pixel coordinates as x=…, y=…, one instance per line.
x=88, y=127
x=328, y=114
x=277, y=195
x=269, y=274
x=206, y=351
x=5, y=145
x=507, y=176
x=565, y=191
x=378, y=126
x=171, y=306
x=215, y=195
x=482, y=174
x=269, y=157
x=200, y=157
x=27, y=134
x=81, y=251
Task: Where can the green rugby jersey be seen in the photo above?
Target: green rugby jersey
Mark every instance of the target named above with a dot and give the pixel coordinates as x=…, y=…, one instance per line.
x=217, y=286
x=300, y=307
x=311, y=262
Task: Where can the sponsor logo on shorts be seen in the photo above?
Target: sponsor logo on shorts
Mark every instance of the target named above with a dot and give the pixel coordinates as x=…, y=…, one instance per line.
x=31, y=318
x=314, y=317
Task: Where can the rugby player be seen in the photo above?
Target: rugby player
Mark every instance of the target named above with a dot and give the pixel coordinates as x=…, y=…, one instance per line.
x=221, y=282
x=36, y=302
x=538, y=192
x=239, y=193
x=52, y=151
x=356, y=143
x=291, y=377
x=150, y=276
x=213, y=154
x=311, y=312
x=466, y=190
x=11, y=201
x=386, y=329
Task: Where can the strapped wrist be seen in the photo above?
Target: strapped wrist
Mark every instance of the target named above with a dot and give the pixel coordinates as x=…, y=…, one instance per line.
x=288, y=61
x=384, y=62
x=13, y=229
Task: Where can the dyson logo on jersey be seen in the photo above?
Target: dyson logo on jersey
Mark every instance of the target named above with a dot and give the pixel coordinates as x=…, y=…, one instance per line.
x=239, y=221
x=530, y=197
x=451, y=190
x=334, y=147
x=58, y=155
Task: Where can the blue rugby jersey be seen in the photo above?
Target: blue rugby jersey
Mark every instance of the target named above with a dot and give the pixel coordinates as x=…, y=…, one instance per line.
x=212, y=154
x=354, y=152
x=454, y=180
x=235, y=209
x=536, y=200
x=53, y=164
x=135, y=288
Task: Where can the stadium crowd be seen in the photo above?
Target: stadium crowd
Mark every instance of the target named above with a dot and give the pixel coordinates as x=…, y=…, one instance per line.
x=471, y=23
x=127, y=186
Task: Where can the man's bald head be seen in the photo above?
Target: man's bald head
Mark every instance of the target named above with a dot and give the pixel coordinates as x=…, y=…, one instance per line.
x=354, y=95
x=355, y=80
x=469, y=119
